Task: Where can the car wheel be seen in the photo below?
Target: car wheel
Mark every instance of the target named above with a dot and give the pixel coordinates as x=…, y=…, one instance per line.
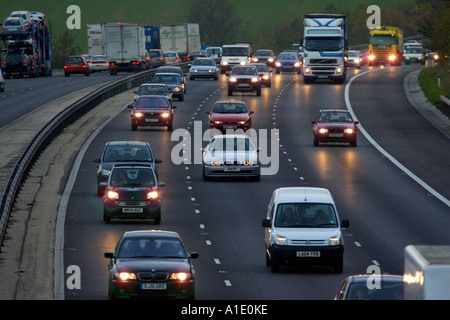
x=106, y=218
x=157, y=220
x=258, y=91
x=274, y=264
x=353, y=143
x=230, y=92
x=100, y=192
x=315, y=141
x=133, y=127
x=181, y=97
x=66, y=74
x=339, y=265
x=170, y=126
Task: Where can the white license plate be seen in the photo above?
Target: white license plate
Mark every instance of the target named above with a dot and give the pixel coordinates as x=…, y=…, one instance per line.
x=244, y=85
x=308, y=254
x=336, y=135
x=232, y=169
x=151, y=119
x=132, y=210
x=229, y=127
x=153, y=286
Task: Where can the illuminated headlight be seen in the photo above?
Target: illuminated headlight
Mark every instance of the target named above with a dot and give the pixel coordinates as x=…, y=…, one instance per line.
x=357, y=60
x=243, y=63
x=217, y=122
x=125, y=276
x=265, y=77
x=233, y=79
x=335, y=241
x=349, y=131
x=255, y=59
x=152, y=195
x=297, y=64
x=177, y=89
x=194, y=70
x=392, y=57
x=138, y=114
x=242, y=122
x=224, y=63
x=255, y=79
x=112, y=195
x=281, y=240
x=435, y=57
x=165, y=115
x=307, y=70
x=371, y=57
x=214, y=163
x=339, y=69
x=278, y=64
x=323, y=130
x=249, y=163
x=270, y=59
x=419, y=58
x=180, y=276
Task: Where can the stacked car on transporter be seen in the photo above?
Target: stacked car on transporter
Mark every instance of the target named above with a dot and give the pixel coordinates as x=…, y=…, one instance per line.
x=27, y=43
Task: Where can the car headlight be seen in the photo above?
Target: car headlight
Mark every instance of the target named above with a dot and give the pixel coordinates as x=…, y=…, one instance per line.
x=152, y=195
x=138, y=114
x=392, y=57
x=180, y=276
x=323, y=130
x=349, y=131
x=255, y=59
x=255, y=79
x=177, y=89
x=112, y=195
x=339, y=69
x=356, y=60
x=307, y=70
x=270, y=60
x=242, y=122
x=249, y=163
x=125, y=276
x=217, y=122
x=278, y=64
x=371, y=57
x=233, y=79
x=281, y=240
x=165, y=114
x=214, y=163
x=297, y=64
x=265, y=77
x=243, y=63
x=334, y=241
x=224, y=63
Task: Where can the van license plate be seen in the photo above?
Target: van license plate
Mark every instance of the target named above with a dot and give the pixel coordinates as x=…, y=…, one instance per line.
x=308, y=254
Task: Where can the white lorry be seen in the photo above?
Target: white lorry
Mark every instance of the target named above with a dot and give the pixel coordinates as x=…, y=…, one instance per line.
x=181, y=38
x=96, y=39
x=125, y=48
x=427, y=272
x=235, y=54
x=325, y=47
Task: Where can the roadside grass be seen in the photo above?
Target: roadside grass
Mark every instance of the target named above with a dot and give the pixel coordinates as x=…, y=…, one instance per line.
x=428, y=81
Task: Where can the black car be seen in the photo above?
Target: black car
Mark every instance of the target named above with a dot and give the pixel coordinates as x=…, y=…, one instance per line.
x=122, y=152
x=244, y=79
x=197, y=54
x=174, y=69
x=132, y=192
x=152, y=110
x=174, y=83
x=19, y=63
x=265, y=56
x=372, y=287
x=151, y=264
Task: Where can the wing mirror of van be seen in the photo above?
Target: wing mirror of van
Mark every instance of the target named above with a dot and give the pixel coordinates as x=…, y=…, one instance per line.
x=345, y=224
x=266, y=223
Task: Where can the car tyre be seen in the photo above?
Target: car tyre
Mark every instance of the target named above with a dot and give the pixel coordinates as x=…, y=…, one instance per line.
x=315, y=141
x=258, y=91
x=230, y=92
x=181, y=97
x=339, y=265
x=133, y=127
x=106, y=218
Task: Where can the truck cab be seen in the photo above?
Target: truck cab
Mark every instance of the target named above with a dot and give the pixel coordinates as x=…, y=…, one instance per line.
x=235, y=54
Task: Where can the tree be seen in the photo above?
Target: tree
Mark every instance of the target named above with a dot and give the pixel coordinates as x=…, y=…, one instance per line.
x=64, y=46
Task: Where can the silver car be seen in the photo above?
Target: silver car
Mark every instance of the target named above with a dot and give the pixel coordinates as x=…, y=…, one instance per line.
x=204, y=68
x=14, y=26
x=2, y=82
x=231, y=155
x=152, y=89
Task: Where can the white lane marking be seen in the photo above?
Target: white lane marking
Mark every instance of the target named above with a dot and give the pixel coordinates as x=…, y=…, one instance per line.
x=384, y=152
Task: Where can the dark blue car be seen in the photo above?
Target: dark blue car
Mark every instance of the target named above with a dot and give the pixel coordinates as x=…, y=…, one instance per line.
x=288, y=61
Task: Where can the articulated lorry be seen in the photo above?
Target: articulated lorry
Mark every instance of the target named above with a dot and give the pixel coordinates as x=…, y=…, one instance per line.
x=181, y=38
x=96, y=39
x=324, y=47
x=385, y=46
x=125, y=48
x=33, y=48
x=427, y=272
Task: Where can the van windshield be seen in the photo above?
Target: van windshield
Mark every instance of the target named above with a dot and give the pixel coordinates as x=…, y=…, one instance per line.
x=235, y=51
x=305, y=215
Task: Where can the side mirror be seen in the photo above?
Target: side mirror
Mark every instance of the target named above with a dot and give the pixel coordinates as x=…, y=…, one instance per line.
x=193, y=255
x=356, y=122
x=161, y=184
x=158, y=161
x=251, y=112
x=109, y=255
x=96, y=160
x=313, y=122
x=208, y=112
x=345, y=224
x=266, y=223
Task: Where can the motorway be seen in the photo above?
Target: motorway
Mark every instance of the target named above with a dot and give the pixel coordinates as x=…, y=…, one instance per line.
x=387, y=208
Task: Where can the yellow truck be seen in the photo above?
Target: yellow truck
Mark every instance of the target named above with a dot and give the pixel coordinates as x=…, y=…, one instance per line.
x=385, y=46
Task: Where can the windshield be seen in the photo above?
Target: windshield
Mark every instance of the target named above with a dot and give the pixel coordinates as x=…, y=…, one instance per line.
x=333, y=116
x=151, y=248
x=324, y=44
x=413, y=50
x=230, y=108
x=382, y=39
x=147, y=102
x=235, y=51
x=305, y=215
x=132, y=177
x=388, y=291
x=288, y=56
x=263, y=53
x=244, y=71
x=231, y=144
x=14, y=56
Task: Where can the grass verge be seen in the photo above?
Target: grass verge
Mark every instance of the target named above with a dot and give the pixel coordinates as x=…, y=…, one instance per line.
x=428, y=81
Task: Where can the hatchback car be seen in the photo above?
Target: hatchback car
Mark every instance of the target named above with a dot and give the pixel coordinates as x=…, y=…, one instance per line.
x=98, y=63
x=152, y=110
x=14, y=26
x=122, y=152
x=264, y=73
x=151, y=264
x=153, y=89
x=204, y=68
x=302, y=227
x=229, y=115
x=174, y=69
x=26, y=16
x=19, y=63
x=76, y=65
x=2, y=82
x=288, y=61
x=157, y=57
x=173, y=82
x=334, y=125
x=231, y=155
x=171, y=57
x=244, y=79
x=132, y=192
x=383, y=287
x=354, y=59
x=264, y=56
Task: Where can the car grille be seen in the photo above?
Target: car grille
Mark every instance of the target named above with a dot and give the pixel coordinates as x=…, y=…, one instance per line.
x=323, y=61
x=308, y=242
x=153, y=276
x=322, y=70
x=131, y=203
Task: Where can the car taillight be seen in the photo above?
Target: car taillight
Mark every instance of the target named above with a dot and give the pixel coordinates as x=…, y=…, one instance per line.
x=24, y=62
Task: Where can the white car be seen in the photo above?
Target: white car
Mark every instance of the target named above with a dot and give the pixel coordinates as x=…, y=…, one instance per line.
x=302, y=228
x=231, y=155
x=98, y=63
x=354, y=59
x=2, y=82
x=204, y=68
x=171, y=57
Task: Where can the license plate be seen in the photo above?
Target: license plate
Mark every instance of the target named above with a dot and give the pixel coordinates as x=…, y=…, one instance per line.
x=151, y=119
x=308, y=254
x=169, y=60
x=244, y=85
x=153, y=286
x=335, y=135
x=132, y=210
x=232, y=169
x=229, y=127
x=323, y=77
x=15, y=73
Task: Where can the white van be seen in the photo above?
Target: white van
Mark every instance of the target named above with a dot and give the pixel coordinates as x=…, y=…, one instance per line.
x=235, y=54
x=214, y=52
x=302, y=227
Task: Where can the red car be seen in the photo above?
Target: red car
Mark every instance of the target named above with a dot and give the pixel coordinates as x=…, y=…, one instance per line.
x=334, y=125
x=76, y=64
x=230, y=115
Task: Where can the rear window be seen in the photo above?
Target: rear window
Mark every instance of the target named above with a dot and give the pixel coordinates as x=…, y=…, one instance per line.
x=123, y=153
x=14, y=56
